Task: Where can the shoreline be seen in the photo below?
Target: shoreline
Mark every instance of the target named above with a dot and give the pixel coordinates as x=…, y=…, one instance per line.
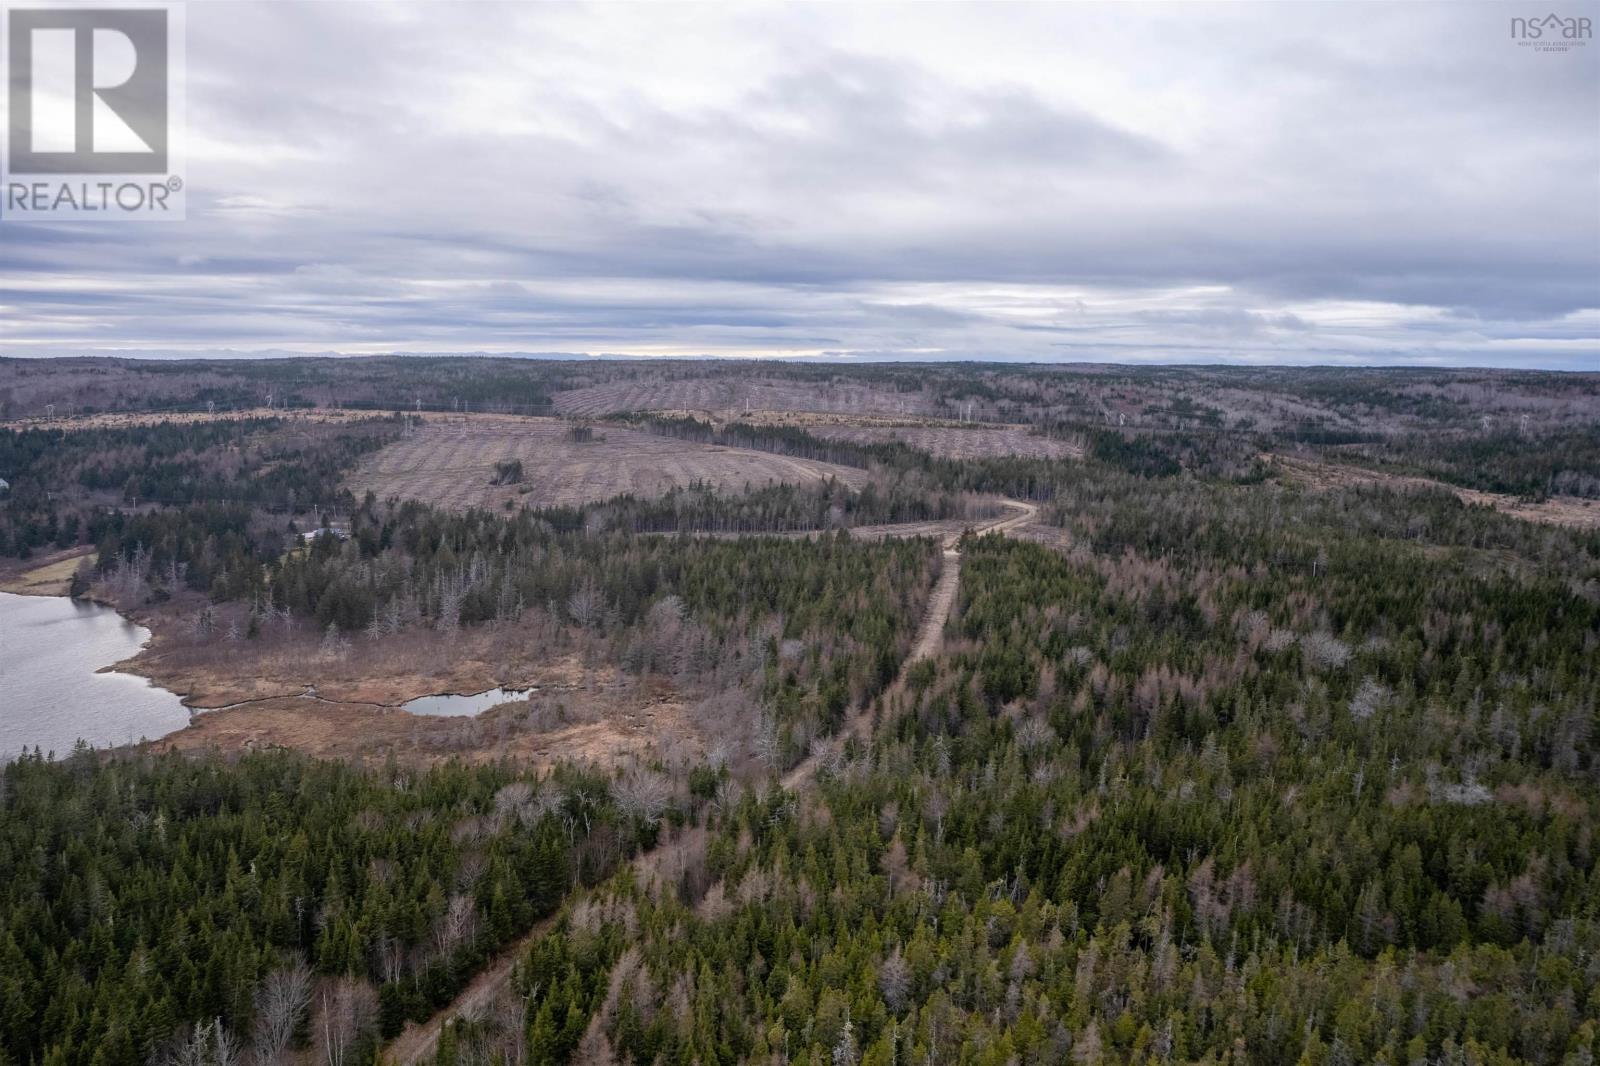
x=48, y=667
x=359, y=715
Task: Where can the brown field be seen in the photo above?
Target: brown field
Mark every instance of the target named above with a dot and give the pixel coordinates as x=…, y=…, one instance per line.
x=600, y=717
x=451, y=462
x=282, y=692
x=730, y=397
x=1573, y=511
x=50, y=575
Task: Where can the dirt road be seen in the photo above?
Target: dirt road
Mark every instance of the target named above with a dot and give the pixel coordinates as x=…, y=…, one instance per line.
x=944, y=593
x=419, y=1042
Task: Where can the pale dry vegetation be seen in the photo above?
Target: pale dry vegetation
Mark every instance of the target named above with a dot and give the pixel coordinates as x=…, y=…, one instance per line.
x=292, y=689
x=49, y=578
x=602, y=718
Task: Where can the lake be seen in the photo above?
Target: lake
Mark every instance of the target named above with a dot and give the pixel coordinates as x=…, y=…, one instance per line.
x=50, y=695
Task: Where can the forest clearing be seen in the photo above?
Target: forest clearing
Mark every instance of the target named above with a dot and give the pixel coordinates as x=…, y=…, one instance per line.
x=1575, y=511
x=453, y=463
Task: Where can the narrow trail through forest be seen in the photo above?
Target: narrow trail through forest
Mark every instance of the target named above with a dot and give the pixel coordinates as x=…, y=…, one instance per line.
x=418, y=1043
x=944, y=593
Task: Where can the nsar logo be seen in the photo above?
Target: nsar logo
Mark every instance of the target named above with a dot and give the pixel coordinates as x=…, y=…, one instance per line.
x=1552, y=33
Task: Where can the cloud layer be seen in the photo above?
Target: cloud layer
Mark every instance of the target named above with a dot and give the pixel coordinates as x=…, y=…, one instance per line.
x=1385, y=182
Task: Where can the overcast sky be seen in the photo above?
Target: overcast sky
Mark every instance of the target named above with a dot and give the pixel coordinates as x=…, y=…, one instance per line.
x=1365, y=182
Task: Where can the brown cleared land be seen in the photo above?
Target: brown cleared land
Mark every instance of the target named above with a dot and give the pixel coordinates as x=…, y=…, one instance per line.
x=451, y=463
x=47, y=576
x=604, y=719
x=285, y=692
x=1572, y=511
x=215, y=672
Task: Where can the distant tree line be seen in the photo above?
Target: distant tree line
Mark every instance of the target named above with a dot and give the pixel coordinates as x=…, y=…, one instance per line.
x=65, y=483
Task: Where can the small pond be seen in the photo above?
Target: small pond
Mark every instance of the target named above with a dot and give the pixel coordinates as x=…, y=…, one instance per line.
x=451, y=705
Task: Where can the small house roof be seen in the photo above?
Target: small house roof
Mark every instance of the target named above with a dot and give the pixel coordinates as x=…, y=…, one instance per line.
x=335, y=530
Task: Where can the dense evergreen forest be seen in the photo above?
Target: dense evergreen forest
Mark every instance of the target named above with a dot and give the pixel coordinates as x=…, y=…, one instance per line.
x=1324, y=796
x=1211, y=764
x=146, y=899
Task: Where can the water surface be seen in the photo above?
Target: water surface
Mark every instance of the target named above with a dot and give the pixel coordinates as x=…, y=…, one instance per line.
x=450, y=704
x=50, y=695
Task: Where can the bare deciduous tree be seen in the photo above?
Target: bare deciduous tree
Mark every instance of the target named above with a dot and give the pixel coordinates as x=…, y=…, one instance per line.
x=644, y=794
x=391, y=956
x=514, y=803
x=584, y=606
x=202, y=1044
x=595, y=1049
x=768, y=745
x=1325, y=651
x=457, y=925
x=346, y=1007
x=1088, y=1049
x=1370, y=697
x=281, y=1002
x=894, y=981
x=1034, y=733
x=452, y=591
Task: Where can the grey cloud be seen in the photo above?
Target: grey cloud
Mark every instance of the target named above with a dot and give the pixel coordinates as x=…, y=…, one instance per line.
x=448, y=176
x=1226, y=320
